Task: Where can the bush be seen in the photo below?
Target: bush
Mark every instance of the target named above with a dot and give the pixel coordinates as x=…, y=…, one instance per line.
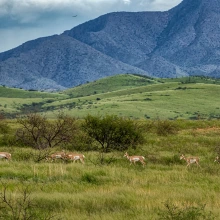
x=165, y=127
x=113, y=133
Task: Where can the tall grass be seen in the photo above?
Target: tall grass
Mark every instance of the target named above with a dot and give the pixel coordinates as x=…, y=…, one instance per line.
x=123, y=191
x=114, y=192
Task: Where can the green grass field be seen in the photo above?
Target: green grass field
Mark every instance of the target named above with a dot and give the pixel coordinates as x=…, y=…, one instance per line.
x=127, y=95
x=14, y=101
x=118, y=190
x=160, y=100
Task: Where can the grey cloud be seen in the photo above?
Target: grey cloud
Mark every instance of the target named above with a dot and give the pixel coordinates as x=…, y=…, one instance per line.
x=35, y=18
x=31, y=11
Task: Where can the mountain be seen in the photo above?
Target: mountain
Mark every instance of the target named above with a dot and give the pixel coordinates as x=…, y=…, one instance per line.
x=180, y=42
x=55, y=63
x=193, y=42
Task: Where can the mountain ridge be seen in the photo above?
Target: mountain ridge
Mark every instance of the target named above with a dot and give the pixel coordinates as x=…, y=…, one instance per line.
x=182, y=41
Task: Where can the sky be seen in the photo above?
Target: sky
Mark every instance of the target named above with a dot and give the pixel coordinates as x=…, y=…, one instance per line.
x=24, y=20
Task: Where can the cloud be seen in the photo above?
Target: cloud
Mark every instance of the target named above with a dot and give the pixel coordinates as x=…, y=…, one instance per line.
x=30, y=19
x=29, y=12
x=25, y=12
x=164, y=5
x=127, y=2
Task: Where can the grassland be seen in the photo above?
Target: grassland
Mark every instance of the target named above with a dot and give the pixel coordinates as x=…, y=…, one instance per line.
x=127, y=95
x=118, y=190
x=14, y=101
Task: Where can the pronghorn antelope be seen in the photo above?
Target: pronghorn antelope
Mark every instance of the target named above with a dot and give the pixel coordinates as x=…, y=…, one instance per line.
x=75, y=156
x=134, y=159
x=217, y=159
x=190, y=160
x=5, y=155
x=57, y=155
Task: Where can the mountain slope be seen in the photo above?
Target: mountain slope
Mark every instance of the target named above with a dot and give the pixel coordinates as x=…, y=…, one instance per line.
x=125, y=36
x=193, y=42
x=58, y=62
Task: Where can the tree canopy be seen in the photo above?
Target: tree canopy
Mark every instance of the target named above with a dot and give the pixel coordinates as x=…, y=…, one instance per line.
x=112, y=132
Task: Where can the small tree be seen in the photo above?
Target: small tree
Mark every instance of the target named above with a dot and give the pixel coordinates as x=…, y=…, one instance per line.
x=113, y=133
x=40, y=133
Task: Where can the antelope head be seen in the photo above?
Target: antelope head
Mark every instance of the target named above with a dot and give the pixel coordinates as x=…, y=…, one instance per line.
x=182, y=157
x=126, y=154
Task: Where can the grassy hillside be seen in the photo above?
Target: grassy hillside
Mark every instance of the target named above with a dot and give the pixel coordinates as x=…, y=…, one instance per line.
x=164, y=99
x=125, y=95
x=14, y=101
x=110, y=84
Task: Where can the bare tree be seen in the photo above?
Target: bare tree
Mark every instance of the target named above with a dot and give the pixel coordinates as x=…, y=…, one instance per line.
x=40, y=133
x=15, y=208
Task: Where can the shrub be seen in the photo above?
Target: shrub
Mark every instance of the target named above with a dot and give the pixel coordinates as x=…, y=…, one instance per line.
x=112, y=132
x=165, y=127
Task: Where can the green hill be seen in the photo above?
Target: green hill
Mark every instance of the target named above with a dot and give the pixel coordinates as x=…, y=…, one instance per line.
x=14, y=101
x=127, y=95
x=110, y=84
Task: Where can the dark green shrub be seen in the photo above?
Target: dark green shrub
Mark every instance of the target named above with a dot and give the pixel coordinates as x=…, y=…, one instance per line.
x=80, y=142
x=112, y=132
x=89, y=178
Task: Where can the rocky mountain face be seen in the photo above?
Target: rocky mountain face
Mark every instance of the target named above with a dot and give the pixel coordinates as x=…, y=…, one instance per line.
x=180, y=42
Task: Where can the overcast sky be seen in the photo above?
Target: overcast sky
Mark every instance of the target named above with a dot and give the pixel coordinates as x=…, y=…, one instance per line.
x=23, y=20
